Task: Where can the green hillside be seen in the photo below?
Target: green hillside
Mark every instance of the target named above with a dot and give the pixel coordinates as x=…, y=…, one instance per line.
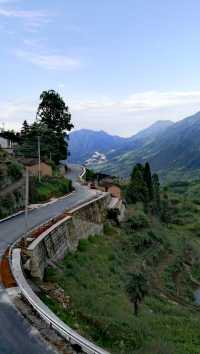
x=95, y=280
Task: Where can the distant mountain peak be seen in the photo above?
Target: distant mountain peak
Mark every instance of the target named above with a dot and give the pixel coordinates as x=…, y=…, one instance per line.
x=162, y=122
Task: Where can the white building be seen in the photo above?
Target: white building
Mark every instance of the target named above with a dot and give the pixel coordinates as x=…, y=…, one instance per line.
x=4, y=143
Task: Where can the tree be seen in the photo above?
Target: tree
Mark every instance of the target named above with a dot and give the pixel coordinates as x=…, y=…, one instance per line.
x=137, y=288
x=25, y=129
x=156, y=192
x=51, y=144
x=165, y=211
x=148, y=180
x=90, y=175
x=11, y=136
x=137, y=188
x=53, y=119
x=53, y=112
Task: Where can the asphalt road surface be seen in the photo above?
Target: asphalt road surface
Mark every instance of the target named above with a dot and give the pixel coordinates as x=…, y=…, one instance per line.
x=15, y=334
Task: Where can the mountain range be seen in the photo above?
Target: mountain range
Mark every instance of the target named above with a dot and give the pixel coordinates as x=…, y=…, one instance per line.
x=172, y=149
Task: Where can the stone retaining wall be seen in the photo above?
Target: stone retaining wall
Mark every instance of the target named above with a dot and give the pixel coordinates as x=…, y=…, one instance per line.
x=65, y=235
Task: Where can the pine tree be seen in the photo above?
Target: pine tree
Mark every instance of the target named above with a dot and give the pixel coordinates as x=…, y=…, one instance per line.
x=25, y=129
x=156, y=192
x=148, y=180
x=137, y=189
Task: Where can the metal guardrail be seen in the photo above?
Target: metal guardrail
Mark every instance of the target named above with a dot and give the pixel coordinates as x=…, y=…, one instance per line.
x=44, y=312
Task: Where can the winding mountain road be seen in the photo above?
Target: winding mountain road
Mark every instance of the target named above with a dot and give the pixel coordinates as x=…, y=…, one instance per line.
x=15, y=334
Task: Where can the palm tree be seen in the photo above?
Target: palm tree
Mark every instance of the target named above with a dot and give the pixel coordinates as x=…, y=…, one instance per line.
x=137, y=288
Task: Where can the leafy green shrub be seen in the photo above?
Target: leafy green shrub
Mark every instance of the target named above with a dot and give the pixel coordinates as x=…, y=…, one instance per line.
x=138, y=221
x=10, y=204
x=3, y=173
x=108, y=228
x=83, y=244
x=142, y=241
x=15, y=170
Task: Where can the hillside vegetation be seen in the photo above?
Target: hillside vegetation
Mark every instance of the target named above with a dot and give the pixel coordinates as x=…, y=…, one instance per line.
x=49, y=187
x=153, y=261
x=10, y=170
x=12, y=186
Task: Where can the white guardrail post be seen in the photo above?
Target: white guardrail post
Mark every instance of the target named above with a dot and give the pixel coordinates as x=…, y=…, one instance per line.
x=82, y=174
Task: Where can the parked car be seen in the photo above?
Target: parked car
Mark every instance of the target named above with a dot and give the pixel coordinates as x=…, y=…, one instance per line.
x=92, y=185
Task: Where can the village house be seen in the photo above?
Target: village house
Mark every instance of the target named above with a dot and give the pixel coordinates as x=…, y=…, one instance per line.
x=6, y=144
x=107, y=184
x=33, y=167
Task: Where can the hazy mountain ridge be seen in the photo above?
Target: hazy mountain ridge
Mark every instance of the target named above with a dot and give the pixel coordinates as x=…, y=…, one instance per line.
x=84, y=143
x=174, y=153
x=171, y=148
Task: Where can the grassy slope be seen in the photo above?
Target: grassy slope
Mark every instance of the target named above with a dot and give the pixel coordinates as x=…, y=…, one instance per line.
x=95, y=278
x=48, y=188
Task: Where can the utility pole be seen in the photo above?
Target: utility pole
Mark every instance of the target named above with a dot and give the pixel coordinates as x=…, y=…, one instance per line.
x=26, y=199
x=39, y=160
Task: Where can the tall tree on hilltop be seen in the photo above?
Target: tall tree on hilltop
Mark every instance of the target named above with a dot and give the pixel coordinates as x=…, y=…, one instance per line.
x=53, y=112
x=148, y=180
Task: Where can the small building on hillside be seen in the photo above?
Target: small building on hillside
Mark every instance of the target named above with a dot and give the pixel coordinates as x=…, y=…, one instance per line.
x=33, y=167
x=107, y=184
x=6, y=144
x=115, y=191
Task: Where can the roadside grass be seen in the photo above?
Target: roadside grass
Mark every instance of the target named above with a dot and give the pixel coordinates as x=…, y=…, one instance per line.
x=48, y=188
x=95, y=278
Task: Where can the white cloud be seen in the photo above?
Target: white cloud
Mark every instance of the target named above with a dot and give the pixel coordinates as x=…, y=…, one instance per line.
x=25, y=14
x=49, y=61
x=142, y=101
x=32, y=18
x=123, y=117
x=129, y=115
x=14, y=113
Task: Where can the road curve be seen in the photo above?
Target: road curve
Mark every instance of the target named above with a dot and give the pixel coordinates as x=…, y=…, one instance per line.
x=15, y=333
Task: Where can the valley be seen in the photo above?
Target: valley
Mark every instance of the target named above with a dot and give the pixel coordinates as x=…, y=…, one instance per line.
x=172, y=149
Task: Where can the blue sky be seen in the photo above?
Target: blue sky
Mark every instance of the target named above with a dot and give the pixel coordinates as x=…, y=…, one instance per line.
x=120, y=65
